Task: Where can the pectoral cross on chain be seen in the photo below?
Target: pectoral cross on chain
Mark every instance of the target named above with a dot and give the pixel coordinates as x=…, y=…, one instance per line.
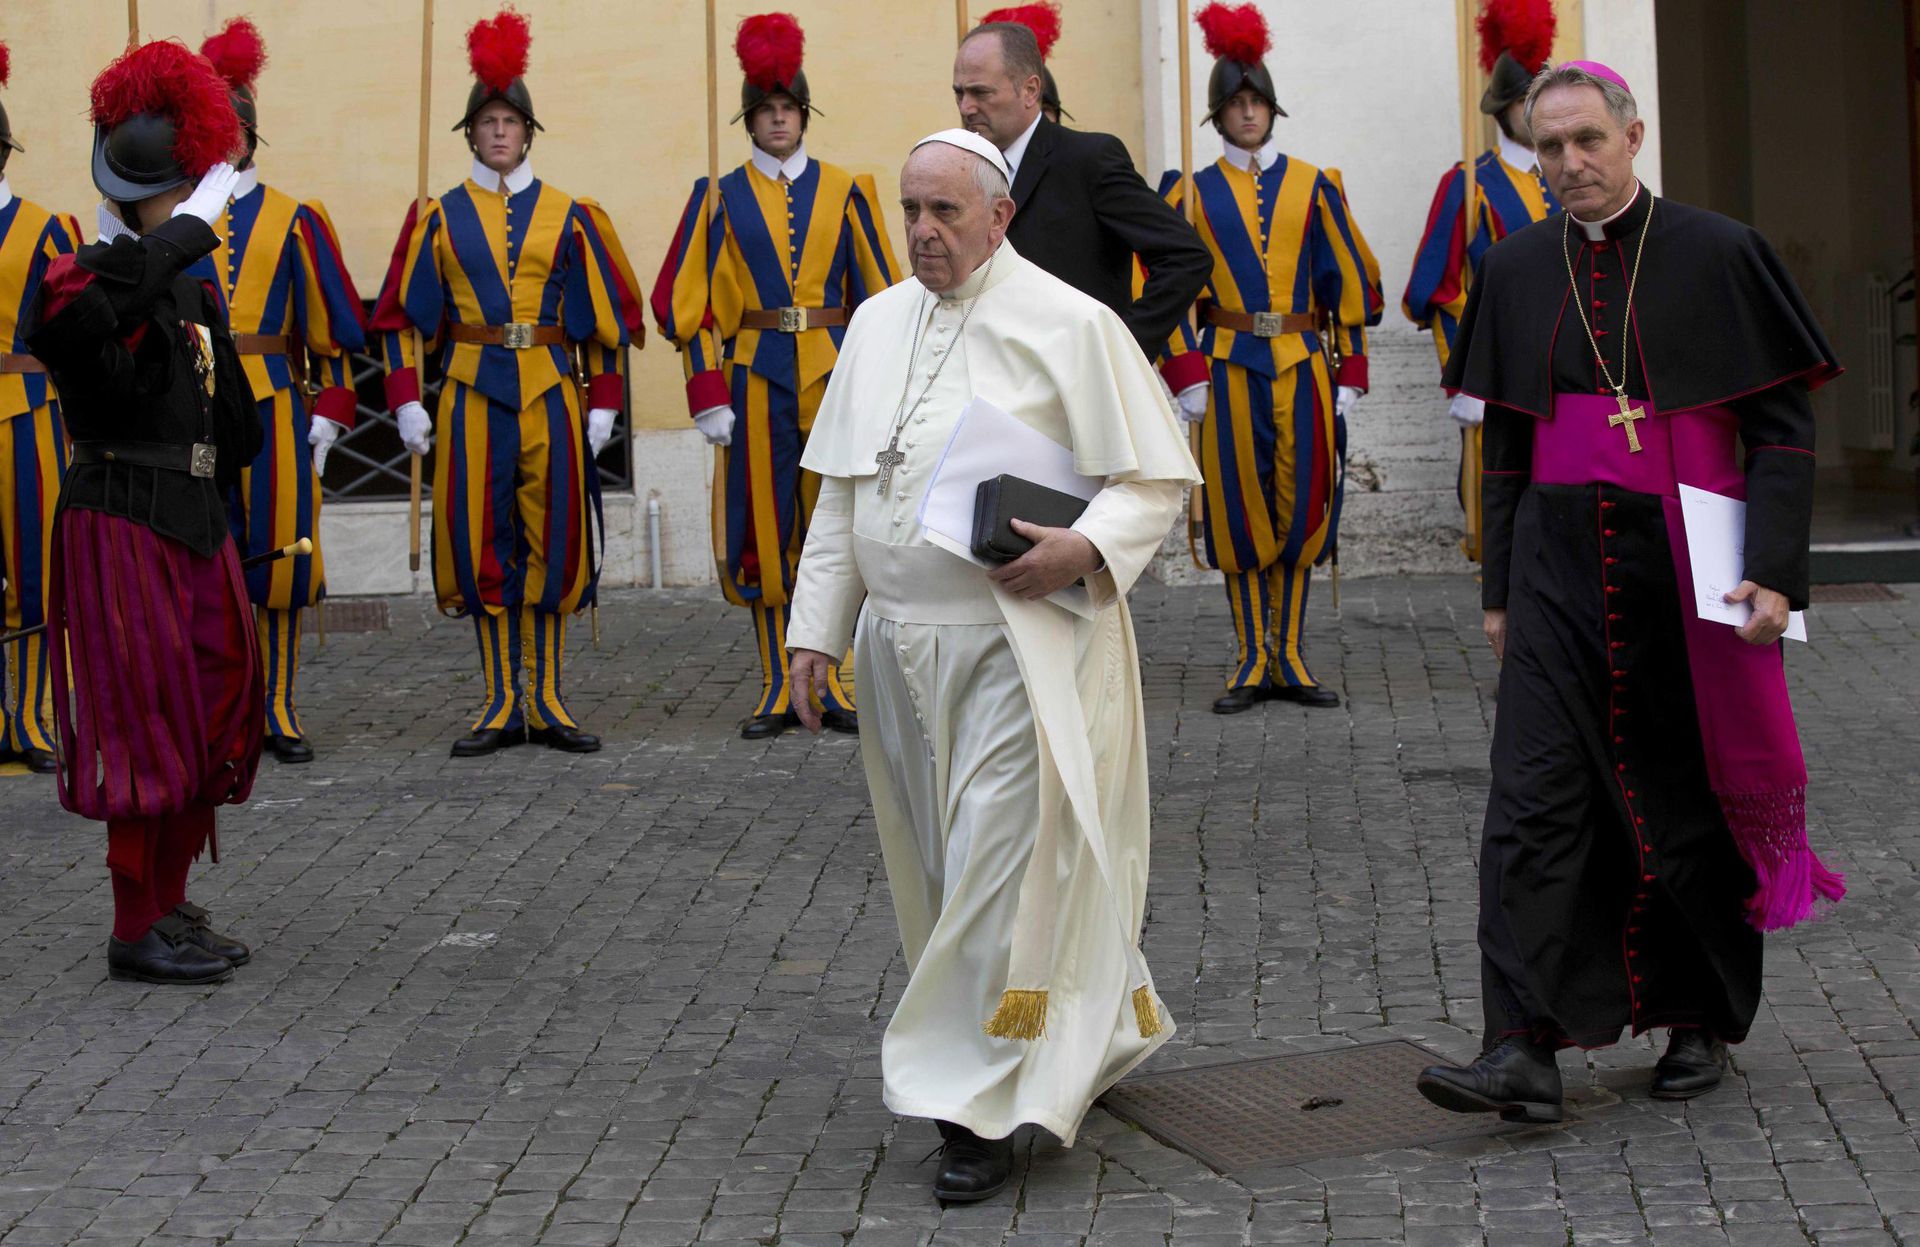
x=889, y=459
x=1627, y=416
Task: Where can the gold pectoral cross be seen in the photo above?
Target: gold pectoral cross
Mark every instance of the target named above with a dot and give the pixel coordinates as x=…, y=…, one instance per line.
x=1627, y=416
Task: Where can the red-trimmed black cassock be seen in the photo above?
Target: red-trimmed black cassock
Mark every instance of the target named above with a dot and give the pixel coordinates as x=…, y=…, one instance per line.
x=1647, y=814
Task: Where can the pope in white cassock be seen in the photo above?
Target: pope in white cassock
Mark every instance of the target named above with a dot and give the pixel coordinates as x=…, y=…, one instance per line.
x=1001, y=720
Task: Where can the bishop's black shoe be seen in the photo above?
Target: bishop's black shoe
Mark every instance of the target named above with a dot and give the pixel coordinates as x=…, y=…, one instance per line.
x=165, y=955
x=1515, y=1078
x=565, y=739
x=768, y=726
x=40, y=761
x=1693, y=1065
x=201, y=932
x=482, y=741
x=289, y=749
x=971, y=1168
x=1246, y=697
x=834, y=719
x=1306, y=695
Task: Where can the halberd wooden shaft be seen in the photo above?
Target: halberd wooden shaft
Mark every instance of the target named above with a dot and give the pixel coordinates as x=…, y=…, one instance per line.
x=419, y=210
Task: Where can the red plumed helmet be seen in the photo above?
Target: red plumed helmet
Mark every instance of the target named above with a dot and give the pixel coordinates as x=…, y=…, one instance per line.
x=168, y=79
x=1522, y=28
x=771, y=47
x=497, y=49
x=1234, y=32
x=1042, y=19
x=6, y=64
x=238, y=52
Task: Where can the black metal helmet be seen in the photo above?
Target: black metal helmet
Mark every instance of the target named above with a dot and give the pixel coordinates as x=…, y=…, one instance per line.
x=162, y=116
x=1050, y=93
x=770, y=47
x=1237, y=39
x=497, y=53
x=1507, y=83
x=1229, y=78
x=515, y=93
x=752, y=97
x=1516, y=38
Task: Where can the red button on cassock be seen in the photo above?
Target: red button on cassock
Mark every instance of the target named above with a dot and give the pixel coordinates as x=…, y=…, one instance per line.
x=1646, y=878
x=1611, y=560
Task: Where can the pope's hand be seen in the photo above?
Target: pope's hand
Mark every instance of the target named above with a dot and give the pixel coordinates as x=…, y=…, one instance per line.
x=807, y=677
x=1059, y=557
x=1467, y=411
x=599, y=429
x=716, y=425
x=1494, y=624
x=416, y=427
x=209, y=198
x=320, y=438
x=1193, y=402
x=1344, y=400
x=1770, y=610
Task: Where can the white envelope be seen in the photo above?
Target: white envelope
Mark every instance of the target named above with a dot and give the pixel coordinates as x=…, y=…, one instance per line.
x=1716, y=528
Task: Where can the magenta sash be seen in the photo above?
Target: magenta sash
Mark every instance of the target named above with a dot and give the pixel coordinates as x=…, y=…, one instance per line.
x=1754, y=763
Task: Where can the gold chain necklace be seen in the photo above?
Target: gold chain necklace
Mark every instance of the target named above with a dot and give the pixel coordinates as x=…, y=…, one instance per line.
x=1627, y=415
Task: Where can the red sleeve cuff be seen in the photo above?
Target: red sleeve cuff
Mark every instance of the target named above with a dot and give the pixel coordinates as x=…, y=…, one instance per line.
x=336, y=404
x=707, y=390
x=1186, y=370
x=605, y=390
x=1353, y=372
x=403, y=386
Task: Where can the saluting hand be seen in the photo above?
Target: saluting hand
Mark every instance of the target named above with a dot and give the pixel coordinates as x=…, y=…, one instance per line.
x=1059, y=557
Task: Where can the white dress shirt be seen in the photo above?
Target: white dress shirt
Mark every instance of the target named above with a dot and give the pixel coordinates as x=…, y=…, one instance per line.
x=771, y=167
x=1264, y=155
x=518, y=180
x=1018, y=148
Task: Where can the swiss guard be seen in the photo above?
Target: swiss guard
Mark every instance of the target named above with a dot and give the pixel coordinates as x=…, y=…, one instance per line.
x=1282, y=344
x=509, y=277
x=1044, y=21
x=1516, y=37
x=757, y=295
x=295, y=317
x=33, y=455
x=156, y=672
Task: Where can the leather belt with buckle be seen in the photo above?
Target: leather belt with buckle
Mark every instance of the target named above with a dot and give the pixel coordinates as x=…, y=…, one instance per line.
x=1262, y=324
x=517, y=336
x=793, y=319
x=263, y=343
x=198, y=459
x=9, y=362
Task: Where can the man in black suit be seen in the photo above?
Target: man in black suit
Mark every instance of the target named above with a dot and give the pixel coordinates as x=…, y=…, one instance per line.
x=1081, y=211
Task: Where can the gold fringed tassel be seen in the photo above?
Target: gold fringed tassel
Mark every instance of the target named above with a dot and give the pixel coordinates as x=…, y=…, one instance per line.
x=1022, y=1015
x=1146, y=1011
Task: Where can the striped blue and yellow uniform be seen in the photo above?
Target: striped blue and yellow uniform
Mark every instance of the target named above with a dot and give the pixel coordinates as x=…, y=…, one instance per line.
x=515, y=495
x=817, y=242
x=1283, y=241
x=279, y=265
x=1505, y=199
x=33, y=457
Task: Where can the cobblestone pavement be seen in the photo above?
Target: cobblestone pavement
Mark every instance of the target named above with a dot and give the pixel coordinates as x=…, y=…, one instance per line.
x=637, y=997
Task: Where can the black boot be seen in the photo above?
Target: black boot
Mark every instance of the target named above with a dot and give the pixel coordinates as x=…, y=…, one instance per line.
x=1515, y=1078
x=1235, y=700
x=971, y=1168
x=1307, y=695
x=835, y=719
x=1694, y=1064
x=40, y=761
x=201, y=932
x=565, y=739
x=289, y=749
x=166, y=955
x=486, y=740
x=768, y=726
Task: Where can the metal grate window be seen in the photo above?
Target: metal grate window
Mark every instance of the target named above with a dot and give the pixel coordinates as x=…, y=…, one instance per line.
x=370, y=463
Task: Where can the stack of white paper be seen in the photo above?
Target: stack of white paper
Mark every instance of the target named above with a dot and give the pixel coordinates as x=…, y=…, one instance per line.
x=1717, y=547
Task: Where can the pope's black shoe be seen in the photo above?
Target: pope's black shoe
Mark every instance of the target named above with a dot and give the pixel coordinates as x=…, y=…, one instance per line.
x=1234, y=700
x=167, y=955
x=289, y=749
x=1315, y=696
x=201, y=932
x=565, y=739
x=835, y=719
x=768, y=726
x=482, y=741
x=1515, y=1078
x=40, y=761
x=971, y=1168
x=1694, y=1064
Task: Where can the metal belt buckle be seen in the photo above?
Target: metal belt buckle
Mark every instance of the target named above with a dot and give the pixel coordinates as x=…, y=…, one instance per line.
x=516, y=336
x=205, y=455
x=1266, y=324
x=793, y=319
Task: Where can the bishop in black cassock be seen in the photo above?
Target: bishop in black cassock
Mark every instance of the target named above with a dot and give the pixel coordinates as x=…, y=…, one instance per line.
x=1646, y=820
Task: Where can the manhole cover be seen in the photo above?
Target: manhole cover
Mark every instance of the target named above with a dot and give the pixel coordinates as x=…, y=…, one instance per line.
x=348, y=615
x=1865, y=591
x=1287, y=1109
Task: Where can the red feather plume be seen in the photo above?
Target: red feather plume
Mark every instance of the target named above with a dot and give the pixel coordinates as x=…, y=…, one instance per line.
x=770, y=47
x=168, y=77
x=1234, y=32
x=497, y=48
x=1522, y=27
x=1042, y=19
x=6, y=64
x=238, y=52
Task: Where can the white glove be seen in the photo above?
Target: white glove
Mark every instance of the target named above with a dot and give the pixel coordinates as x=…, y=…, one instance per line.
x=321, y=438
x=600, y=429
x=1192, y=402
x=209, y=198
x=1344, y=400
x=716, y=425
x=1467, y=411
x=416, y=428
